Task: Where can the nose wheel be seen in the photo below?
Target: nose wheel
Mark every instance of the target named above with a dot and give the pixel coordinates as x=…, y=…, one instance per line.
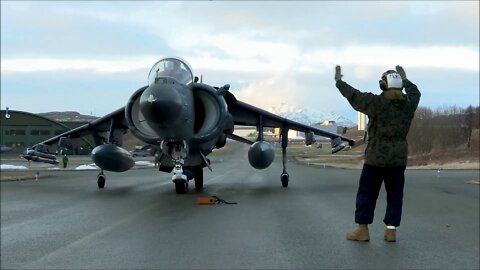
x=181, y=187
x=177, y=151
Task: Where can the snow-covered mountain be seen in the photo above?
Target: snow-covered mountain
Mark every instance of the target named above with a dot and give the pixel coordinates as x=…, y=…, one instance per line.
x=309, y=116
x=68, y=116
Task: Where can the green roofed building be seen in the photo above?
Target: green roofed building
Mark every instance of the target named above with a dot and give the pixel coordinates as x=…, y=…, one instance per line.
x=19, y=130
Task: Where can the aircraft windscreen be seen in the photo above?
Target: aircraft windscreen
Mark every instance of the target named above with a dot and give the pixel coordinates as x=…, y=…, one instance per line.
x=173, y=68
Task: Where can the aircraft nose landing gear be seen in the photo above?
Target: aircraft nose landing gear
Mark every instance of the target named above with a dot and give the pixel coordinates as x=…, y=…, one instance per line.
x=179, y=178
x=178, y=152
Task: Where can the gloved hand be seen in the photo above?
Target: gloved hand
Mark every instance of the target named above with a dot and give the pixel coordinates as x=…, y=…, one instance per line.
x=401, y=72
x=338, y=73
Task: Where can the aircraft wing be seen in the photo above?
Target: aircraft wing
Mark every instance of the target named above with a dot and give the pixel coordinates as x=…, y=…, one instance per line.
x=97, y=126
x=247, y=115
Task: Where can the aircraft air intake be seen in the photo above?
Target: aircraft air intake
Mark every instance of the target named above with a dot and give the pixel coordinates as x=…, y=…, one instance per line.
x=211, y=115
x=136, y=121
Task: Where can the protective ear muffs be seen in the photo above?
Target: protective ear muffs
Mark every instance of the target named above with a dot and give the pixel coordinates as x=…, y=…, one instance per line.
x=383, y=80
x=383, y=84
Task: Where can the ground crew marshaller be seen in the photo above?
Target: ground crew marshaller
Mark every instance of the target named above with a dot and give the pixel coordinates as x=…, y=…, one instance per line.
x=65, y=161
x=389, y=118
x=157, y=158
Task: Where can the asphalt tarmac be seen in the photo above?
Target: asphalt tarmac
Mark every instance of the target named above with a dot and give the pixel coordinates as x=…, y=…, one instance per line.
x=138, y=222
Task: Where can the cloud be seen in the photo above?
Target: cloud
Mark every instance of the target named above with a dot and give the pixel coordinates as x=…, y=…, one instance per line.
x=278, y=88
x=364, y=72
x=462, y=58
x=253, y=56
x=51, y=64
x=268, y=51
x=79, y=29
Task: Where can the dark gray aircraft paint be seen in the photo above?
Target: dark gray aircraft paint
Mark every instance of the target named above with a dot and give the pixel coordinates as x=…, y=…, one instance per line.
x=184, y=120
x=261, y=155
x=112, y=158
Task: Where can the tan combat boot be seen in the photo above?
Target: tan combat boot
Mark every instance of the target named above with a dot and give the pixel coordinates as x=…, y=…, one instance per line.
x=360, y=234
x=390, y=234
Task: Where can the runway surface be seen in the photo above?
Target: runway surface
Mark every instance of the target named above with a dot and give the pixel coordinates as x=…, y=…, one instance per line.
x=138, y=222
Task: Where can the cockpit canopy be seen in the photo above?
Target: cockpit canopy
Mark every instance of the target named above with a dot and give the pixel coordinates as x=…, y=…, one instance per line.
x=172, y=67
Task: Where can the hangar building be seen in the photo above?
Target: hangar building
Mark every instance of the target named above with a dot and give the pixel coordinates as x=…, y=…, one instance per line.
x=19, y=130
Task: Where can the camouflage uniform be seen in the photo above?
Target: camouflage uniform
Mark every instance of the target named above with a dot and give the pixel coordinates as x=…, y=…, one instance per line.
x=389, y=118
x=390, y=115
x=65, y=161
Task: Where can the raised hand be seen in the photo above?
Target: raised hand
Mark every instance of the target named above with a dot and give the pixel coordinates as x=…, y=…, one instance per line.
x=338, y=73
x=401, y=72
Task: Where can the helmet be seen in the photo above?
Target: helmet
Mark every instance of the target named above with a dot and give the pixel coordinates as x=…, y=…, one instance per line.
x=390, y=79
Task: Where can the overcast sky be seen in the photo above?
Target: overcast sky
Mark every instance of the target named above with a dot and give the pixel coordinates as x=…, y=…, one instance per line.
x=91, y=56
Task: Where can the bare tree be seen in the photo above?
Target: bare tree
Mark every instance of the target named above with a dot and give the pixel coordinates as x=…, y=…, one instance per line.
x=420, y=137
x=446, y=128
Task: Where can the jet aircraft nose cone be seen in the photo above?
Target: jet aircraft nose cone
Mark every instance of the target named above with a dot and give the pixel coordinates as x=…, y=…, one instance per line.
x=161, y=104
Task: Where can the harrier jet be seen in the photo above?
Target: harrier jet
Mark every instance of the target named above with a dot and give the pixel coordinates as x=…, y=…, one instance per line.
x=185, y=119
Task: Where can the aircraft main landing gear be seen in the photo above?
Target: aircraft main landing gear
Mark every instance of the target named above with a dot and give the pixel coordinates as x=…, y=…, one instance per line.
x=198, y=178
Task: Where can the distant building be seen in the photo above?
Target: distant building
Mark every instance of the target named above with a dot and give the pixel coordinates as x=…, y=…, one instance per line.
x=328, y=126
x=20, y=130
x=244, y=131
x=292, y=134
x=362, y=121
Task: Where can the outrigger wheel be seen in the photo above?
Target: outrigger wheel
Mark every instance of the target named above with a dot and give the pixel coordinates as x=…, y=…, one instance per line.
x=284, y=177
x=101, y=180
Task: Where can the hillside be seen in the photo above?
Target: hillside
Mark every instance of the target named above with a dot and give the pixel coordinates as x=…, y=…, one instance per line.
x=68, y=116
x=310, y=116
x=129, y=140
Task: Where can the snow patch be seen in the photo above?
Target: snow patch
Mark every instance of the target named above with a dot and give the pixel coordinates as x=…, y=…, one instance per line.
x=144, y=163
x=87, y=167
x=12, y=167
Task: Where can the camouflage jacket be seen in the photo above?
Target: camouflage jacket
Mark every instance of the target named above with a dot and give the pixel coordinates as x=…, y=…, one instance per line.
x=389, y=118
